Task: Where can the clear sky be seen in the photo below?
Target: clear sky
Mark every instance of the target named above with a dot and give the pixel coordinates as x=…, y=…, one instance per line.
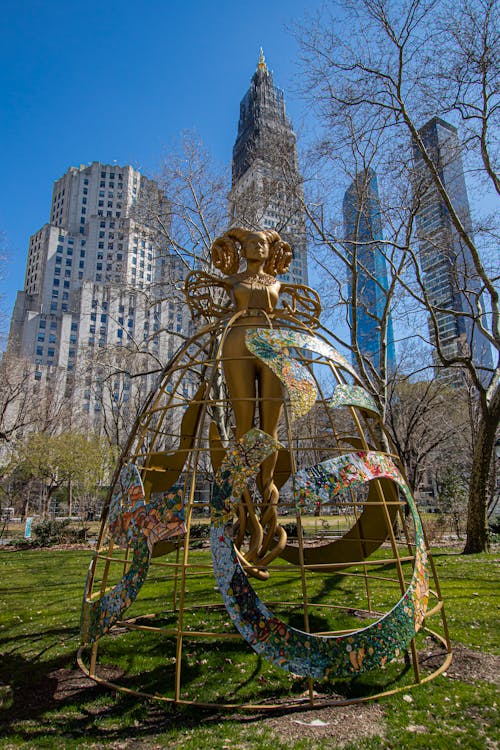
x=120, y=80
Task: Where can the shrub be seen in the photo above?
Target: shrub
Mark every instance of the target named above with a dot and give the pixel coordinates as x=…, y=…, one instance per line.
x=50, y=531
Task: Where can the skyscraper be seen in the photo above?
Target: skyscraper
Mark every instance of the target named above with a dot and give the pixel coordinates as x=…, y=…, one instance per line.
x=450, y=279
x=95, y=289
x=266, y=181
x=363, y=235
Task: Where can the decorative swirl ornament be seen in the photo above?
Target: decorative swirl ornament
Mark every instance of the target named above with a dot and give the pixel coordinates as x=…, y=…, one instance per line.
x=289, y=648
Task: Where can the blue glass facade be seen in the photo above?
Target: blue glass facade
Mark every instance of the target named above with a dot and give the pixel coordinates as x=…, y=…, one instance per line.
x=363, y=234
x=450, y=278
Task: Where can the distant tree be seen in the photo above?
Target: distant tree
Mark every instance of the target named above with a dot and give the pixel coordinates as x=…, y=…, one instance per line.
x=429, y=425
x=72, y=460
x=452, y=498
x=17, y=406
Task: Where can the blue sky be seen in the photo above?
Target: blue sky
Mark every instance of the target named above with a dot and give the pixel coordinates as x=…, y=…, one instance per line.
x=120, y=81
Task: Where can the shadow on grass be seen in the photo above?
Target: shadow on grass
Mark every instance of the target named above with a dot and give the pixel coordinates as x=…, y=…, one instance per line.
x=51, y=701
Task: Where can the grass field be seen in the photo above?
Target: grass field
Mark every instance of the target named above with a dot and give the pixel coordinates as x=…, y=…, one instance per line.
x=47, y=703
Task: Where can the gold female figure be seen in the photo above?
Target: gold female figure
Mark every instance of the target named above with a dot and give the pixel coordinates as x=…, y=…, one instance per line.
x=254, y=293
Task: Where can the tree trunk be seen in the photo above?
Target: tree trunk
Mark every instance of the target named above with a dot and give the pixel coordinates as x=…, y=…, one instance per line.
x=477, y=516
x=70, y=498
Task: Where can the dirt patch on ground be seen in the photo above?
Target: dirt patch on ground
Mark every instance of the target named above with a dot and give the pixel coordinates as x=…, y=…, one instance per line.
x=71, y=682
x=344, y=724
x=466, y=665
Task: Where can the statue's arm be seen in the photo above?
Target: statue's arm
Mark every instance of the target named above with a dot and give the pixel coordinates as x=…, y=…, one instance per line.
x=207, y=295
x=301, y=302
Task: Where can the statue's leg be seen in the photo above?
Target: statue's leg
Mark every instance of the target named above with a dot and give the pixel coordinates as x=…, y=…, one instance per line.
x=240, y=374
x=270, y=409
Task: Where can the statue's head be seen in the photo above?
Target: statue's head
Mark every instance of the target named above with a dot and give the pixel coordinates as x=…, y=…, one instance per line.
x=240, y=243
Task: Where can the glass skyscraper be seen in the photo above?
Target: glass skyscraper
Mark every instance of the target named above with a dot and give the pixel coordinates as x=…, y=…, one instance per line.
x=450, y=279
x=362, y=237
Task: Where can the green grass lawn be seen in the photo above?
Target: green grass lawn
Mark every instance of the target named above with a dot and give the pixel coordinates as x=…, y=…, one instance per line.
x=47, y=703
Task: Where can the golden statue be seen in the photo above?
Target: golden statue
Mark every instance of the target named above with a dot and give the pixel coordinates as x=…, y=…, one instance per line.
x=254, y=292
x=260, y=364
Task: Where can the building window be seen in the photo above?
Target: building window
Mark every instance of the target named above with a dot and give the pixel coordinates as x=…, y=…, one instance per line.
x=39, y=351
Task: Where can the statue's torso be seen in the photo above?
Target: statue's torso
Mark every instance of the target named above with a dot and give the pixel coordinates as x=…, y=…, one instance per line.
x=255, y=293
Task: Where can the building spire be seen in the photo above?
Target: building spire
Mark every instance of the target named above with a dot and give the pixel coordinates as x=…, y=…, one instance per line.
x=262, y=61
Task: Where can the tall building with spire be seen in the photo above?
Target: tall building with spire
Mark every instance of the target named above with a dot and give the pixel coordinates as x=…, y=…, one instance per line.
x=449, y=274
x=266, y=182
x=363, y=238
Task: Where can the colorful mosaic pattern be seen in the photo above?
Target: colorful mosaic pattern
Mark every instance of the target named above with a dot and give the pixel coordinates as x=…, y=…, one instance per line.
x=270, y=346
x=353, y=395
x=325, y=480
x=292, y=649
x=239, y=465
x=133, y=522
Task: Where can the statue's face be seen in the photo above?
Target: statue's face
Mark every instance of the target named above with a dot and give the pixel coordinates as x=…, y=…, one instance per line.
x=255, y=247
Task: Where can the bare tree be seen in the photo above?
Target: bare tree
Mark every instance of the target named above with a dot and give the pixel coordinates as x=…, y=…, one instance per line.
x=196, y=191
x=376, y=70
x=430, y=428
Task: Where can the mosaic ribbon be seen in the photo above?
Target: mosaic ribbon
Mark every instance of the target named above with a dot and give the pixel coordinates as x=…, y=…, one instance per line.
x=292, y=649
x=270, y=345
x=239, y=465
x=353, y=395
x=133, y=522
